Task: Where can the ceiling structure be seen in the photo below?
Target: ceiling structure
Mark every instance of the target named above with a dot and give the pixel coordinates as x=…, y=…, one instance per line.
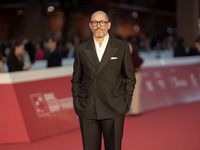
x=164, y=5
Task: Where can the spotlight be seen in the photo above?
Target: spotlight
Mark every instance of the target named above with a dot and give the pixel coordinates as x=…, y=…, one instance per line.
x=50, y=9
x=134, y=14
x=136, y=28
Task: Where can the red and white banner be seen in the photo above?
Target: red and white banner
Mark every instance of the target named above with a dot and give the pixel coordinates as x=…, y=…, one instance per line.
x=169, y=85
x=37, y=108
x=38, y=103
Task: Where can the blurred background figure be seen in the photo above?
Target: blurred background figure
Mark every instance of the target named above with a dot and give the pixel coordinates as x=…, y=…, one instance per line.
x=28, y=56
x=179, y=50
x=5, y=51
x=195, y=49
x=15, y=60
x=40, y=52
x=136, y=107
x=54, y=56
x=1, y=63
x=70, y=49
x=30, y=51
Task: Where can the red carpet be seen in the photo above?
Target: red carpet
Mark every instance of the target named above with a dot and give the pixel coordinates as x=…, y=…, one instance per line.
x=174, y=128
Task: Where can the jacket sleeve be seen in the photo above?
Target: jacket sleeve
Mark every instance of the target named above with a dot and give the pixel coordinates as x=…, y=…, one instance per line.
x=77, y=74
x=129, y=75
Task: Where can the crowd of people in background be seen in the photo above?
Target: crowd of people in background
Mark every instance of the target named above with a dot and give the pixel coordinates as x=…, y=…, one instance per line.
x=171, y=43
x=20, y=54
x=54, y=50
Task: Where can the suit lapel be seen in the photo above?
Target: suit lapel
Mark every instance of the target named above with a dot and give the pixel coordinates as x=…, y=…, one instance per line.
x=91, y=53
x=109, y=52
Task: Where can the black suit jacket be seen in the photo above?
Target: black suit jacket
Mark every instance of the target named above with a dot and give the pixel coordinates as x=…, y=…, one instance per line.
x=102, y=90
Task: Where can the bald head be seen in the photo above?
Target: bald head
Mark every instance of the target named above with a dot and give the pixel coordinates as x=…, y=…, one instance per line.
x=99, y=25
x=99, y=13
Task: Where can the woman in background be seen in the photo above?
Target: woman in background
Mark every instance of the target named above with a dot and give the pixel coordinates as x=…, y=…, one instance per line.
x=136, y=107
x=1, y=63
x=40, y=52
x=15, y=59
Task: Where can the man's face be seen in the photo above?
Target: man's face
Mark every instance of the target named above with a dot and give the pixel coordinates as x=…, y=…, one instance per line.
x=51, y=44
x=99, y=25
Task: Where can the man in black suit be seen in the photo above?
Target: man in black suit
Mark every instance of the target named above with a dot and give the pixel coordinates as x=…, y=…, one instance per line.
x=54, y=58
x=102, y=85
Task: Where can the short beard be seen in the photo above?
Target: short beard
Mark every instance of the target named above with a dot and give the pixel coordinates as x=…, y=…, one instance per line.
x=99, y=35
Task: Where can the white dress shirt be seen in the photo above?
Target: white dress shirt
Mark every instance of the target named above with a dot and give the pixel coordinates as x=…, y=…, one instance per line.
x=101, y=49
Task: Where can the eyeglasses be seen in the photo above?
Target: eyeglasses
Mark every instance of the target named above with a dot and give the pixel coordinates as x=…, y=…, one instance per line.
x=102, y=23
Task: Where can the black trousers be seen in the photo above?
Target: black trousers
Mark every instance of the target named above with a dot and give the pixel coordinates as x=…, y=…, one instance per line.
x=92, y=130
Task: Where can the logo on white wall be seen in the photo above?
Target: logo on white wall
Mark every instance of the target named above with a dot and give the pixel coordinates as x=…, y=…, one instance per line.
x=194, y=80
x=149, y=86
x=46, y=103
x=177, y=83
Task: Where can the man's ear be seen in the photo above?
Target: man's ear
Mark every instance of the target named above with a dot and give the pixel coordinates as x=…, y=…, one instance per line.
x=109, y=25
x=90, y=26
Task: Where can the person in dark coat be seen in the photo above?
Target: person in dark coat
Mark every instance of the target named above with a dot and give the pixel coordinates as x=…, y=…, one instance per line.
x=15, y=59
x=102, y=85
x=195, y=49
x=179, y=50
x=54, y=58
